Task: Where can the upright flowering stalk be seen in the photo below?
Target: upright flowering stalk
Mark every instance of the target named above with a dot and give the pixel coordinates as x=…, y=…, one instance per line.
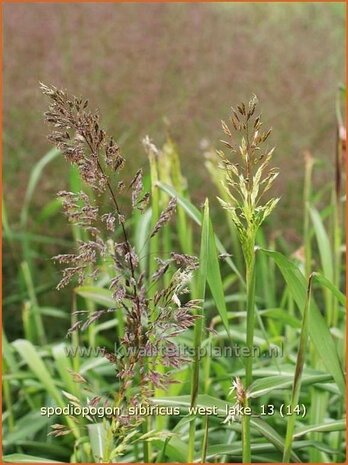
x=153, y=320
x=247, y=179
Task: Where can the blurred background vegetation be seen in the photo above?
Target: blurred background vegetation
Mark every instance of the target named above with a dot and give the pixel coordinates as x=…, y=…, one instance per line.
x=153, y=68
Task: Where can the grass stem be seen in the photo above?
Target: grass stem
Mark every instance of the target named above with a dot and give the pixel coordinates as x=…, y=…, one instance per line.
x=298, y=375
x=250, y=290
x=198, y=328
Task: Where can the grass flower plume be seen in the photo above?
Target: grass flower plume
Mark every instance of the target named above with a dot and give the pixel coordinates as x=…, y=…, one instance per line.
x=152, y=322
x=248, y=178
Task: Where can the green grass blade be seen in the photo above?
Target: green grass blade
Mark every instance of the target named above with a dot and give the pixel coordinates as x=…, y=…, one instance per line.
x=49, y=210
x=196, y=216
x=281, y=316
x=206, y=236
x=54, y=312
x=142, y=230
x=24, y=458
x=31, y=357
x=25, y=428
x=64, y=367
x=37, y=328
x=271, y=434
x=97, y=295
x=307, y=195
x=189, y=208
x=324, y=244
x=8, y=353
x=50, y=448
x=175, y=449
x=318, y=330
x=7, y=232
x=323, y=281
x=336, y=425
x=99, y=440
x=204, y=400
x=263, y=386
x=33, y=181
x=29, y=326
x=214, y=277
x=235, y=450
x=184, y=229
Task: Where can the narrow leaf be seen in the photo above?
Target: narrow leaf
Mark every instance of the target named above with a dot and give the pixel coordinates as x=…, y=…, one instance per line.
x=318, y=329
x=195, y=214
x=96, y=294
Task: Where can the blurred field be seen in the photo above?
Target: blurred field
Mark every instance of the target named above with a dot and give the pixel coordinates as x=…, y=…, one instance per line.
x=183, y=63
x=187, y=63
